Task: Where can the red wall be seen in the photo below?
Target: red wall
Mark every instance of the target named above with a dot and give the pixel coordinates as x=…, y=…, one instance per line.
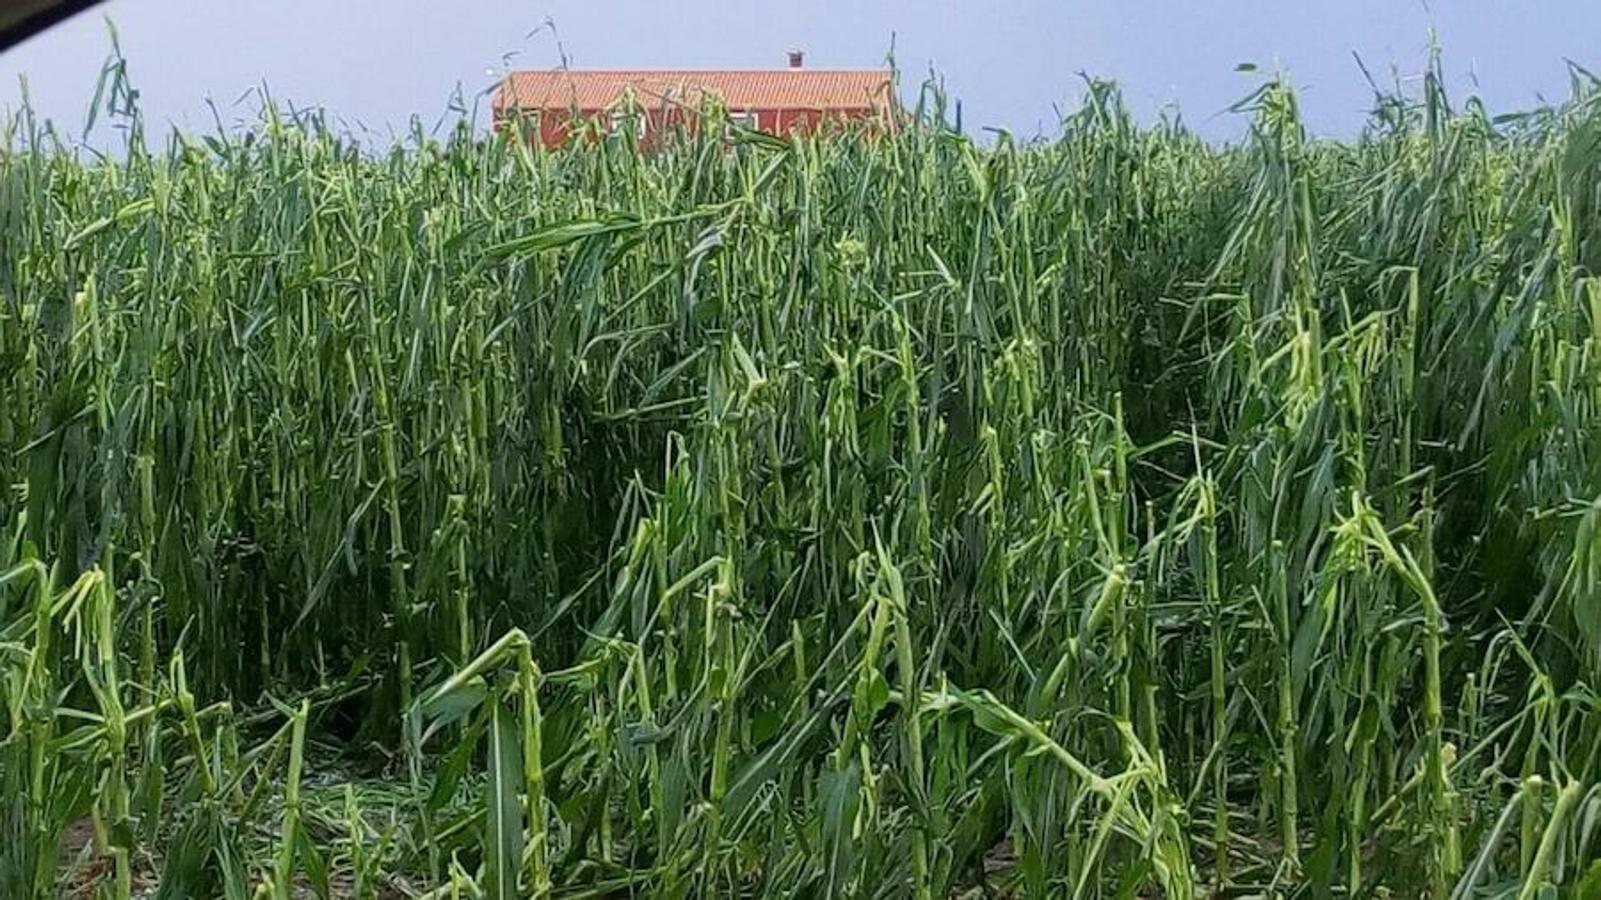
x=556, y=125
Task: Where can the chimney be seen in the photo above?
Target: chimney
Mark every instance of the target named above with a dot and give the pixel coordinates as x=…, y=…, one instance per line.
x=796, y=58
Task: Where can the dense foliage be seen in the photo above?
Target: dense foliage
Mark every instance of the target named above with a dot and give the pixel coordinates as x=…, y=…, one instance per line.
x=886, y=515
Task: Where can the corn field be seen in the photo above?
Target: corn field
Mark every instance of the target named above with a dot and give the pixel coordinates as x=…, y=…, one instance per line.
x=893, y=514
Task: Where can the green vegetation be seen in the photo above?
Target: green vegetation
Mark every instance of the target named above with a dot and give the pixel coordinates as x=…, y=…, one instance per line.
x=1115, y=516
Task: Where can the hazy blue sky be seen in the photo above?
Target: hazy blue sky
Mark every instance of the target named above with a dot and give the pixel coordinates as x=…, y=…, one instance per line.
x=1012, y=62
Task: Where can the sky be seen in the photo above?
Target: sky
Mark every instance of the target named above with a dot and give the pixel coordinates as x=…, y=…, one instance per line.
x=1015, y=64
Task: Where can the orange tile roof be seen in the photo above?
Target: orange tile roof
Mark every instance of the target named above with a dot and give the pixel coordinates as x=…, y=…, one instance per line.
x=738, y=90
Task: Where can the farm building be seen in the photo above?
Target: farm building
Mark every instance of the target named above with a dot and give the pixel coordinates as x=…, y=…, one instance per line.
x=776, y=101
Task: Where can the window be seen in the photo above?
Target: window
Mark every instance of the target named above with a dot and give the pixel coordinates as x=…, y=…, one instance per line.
x=745, y=119
x=620, y=119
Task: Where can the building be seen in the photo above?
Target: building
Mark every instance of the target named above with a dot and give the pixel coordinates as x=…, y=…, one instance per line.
x=776, y=101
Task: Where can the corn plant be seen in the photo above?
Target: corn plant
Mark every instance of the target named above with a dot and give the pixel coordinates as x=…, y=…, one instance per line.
x=881, y=513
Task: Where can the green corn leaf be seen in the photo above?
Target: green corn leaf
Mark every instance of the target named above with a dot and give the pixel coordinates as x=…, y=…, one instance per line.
x=503, y=823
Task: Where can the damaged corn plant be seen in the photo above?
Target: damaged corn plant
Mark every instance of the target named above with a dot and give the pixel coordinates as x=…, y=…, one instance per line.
x=885, y=514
